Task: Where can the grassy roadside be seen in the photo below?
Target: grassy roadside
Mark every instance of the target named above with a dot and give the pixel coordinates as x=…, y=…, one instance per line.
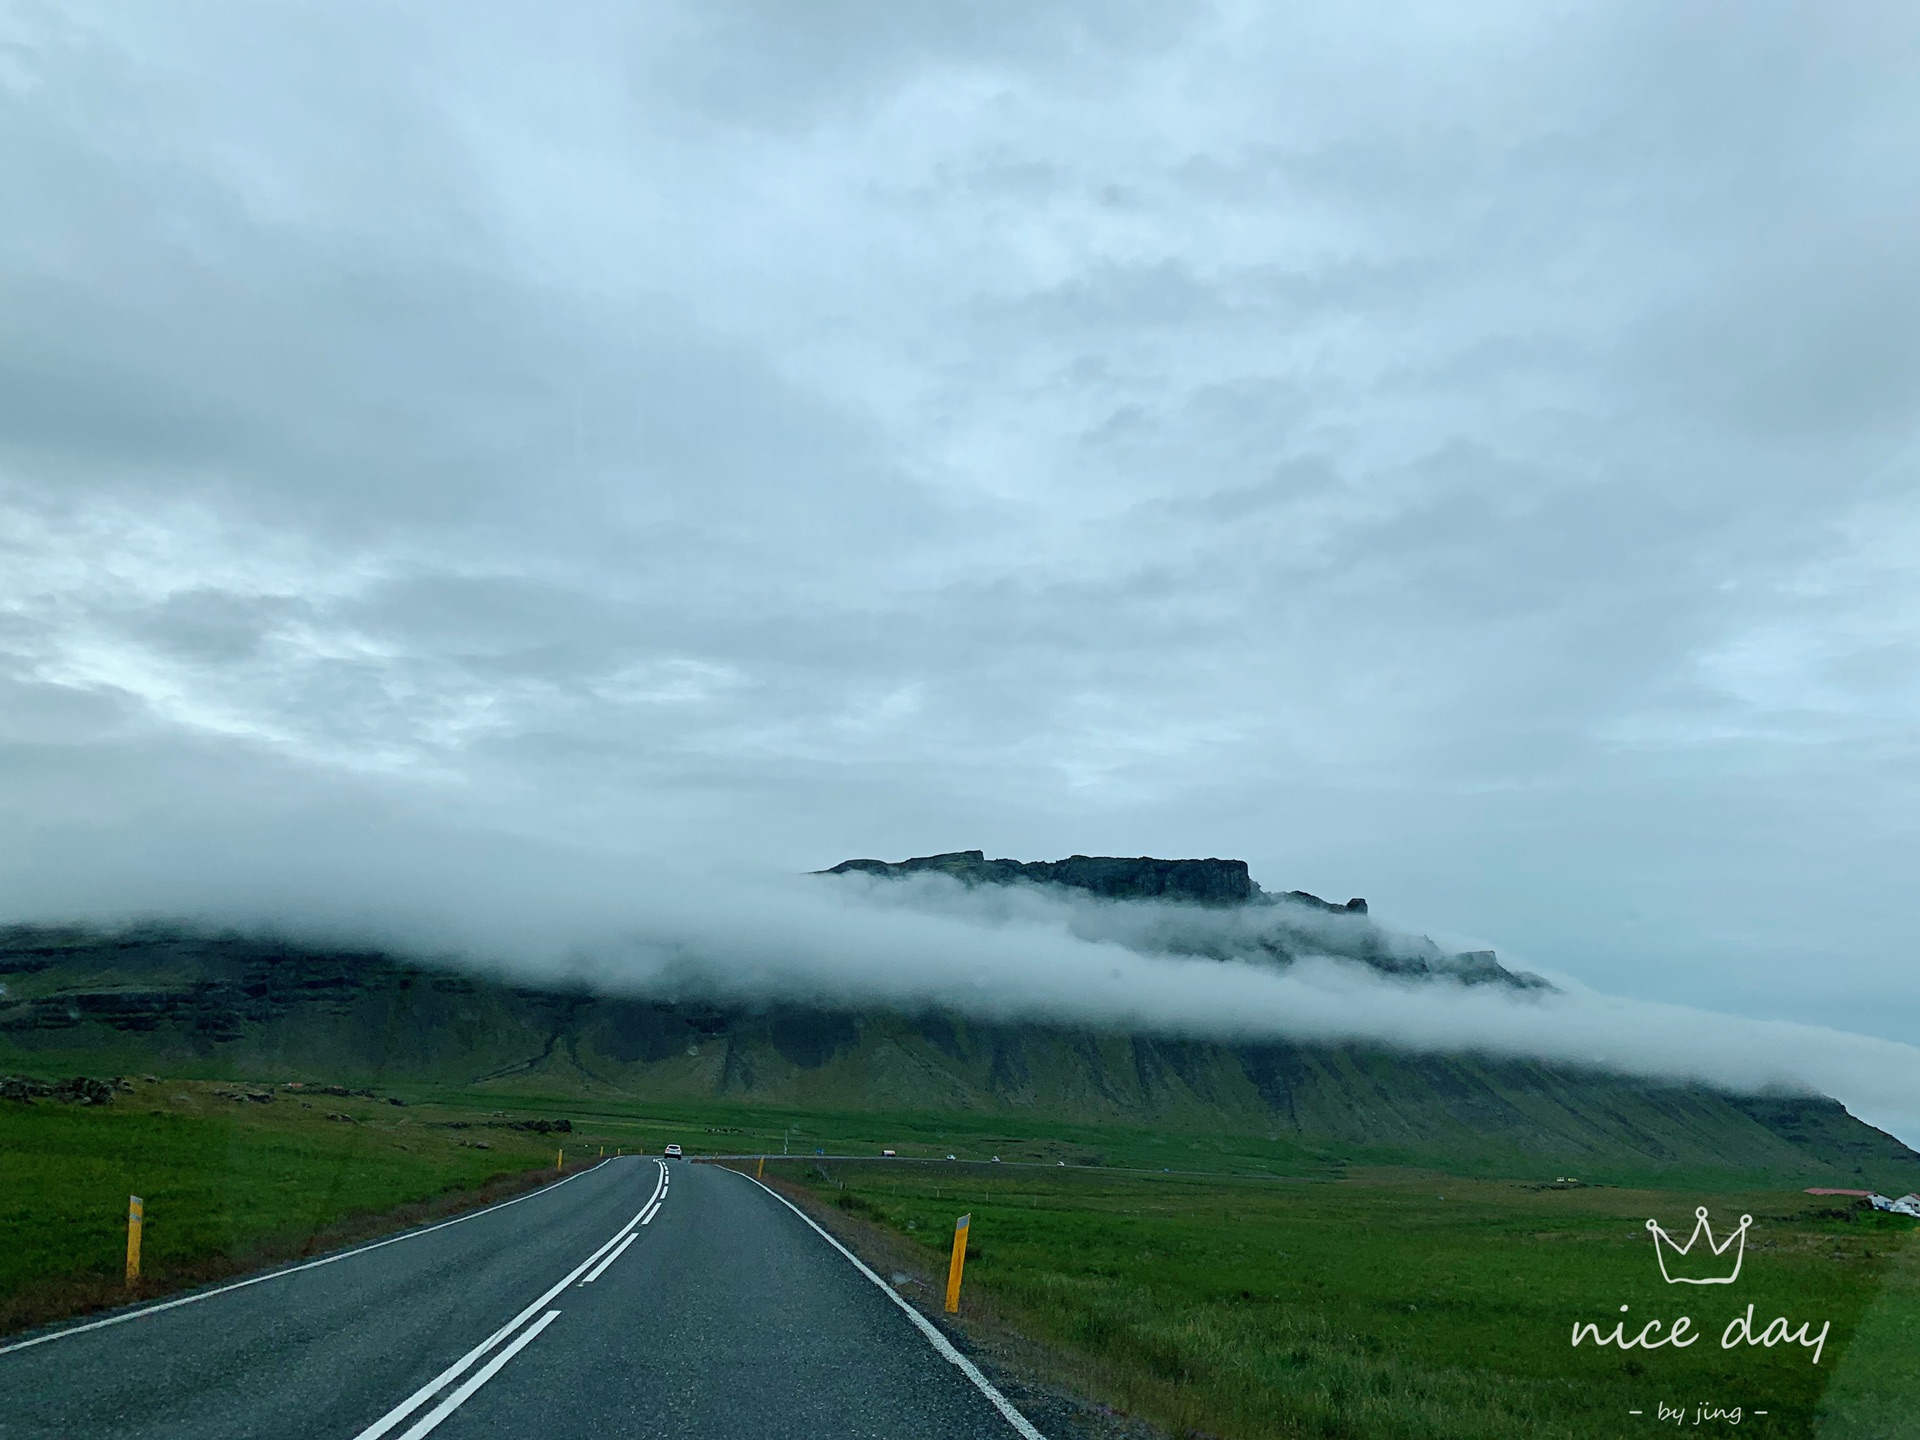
x=1875, y=1390
x=1218, y=1285
x=1049, y=1387
x=1374, y=1307
x=230, y=1185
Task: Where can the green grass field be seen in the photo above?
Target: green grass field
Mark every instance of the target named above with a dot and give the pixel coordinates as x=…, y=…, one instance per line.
x=1216, y=1284
x=1405, y=1304
x=228, y=1184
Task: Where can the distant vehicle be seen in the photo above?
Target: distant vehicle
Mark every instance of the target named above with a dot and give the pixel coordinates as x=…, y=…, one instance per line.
x=953, y=1157
x=673, y=1152
x=888, y=1154
x=1060, y=1162
x=996, y=1159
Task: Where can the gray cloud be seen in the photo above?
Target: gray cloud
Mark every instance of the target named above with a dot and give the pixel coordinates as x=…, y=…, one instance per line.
x=1464, y=460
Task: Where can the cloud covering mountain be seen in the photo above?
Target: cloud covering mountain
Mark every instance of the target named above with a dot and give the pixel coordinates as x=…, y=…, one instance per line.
x=1010, y=953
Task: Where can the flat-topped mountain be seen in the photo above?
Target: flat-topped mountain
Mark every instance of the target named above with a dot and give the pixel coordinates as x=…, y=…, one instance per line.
x=1204, y=882
x=1221, y=913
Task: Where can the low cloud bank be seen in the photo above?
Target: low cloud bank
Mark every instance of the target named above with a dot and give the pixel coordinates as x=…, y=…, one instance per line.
x=1020, y=954
x=1010, y=954
x=1272, y=931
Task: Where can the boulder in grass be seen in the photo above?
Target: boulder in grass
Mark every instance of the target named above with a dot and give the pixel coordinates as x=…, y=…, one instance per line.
x=80, y=1090
x=23, y=1088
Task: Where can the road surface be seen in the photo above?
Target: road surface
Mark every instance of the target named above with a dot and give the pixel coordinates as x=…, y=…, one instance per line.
x=640, y=1298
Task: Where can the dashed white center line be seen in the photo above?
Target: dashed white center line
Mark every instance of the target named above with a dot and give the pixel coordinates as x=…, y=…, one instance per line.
x=396, y=1416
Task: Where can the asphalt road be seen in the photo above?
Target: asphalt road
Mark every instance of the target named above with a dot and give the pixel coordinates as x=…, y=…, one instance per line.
x=641, y=1298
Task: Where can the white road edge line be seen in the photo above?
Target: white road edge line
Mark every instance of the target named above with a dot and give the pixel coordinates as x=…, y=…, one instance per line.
x=290, y=1270
x=619, y=1250
x=927, y=1328
x=459, y=1367
x=459, y=1397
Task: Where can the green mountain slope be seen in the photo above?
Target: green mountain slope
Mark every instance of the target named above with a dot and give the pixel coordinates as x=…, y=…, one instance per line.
x=232, y=1006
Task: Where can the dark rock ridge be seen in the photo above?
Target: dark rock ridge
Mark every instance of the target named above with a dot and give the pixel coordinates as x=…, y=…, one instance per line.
x=1277, y=929
x=1206, y=882
x=1355, y=906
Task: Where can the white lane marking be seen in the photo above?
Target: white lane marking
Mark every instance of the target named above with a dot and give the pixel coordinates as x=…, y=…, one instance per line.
x=459, y=1397
x=619, y=1250
x=290, y=1270
x=939, y=1342
x=459, y=1367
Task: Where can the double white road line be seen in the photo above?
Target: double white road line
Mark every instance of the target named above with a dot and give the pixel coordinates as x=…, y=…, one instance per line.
x=595, y=1263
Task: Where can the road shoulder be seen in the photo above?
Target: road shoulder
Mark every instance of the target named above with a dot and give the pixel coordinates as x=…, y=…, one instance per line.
x=1032, y=1376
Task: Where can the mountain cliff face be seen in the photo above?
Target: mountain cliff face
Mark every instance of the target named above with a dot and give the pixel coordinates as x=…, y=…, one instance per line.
x=1211, y=908
x=1201, y=882
x=231, y=1006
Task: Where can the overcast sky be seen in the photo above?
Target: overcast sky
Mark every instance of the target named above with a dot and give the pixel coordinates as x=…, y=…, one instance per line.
x=1458, y=455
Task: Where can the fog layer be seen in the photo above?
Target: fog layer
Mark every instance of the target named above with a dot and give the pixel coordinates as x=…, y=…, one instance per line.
x=641, y=925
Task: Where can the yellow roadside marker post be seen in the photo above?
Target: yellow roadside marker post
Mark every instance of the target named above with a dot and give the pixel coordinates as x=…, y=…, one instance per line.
x=559, y=1159
x=136, y=1217
x=958, y=1264
x=760, y=1169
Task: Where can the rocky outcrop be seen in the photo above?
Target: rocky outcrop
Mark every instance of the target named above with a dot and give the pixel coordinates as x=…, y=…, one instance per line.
x=1226, y=915
x=79, y=1090
x=1355, y=906
x=1204, y=882
x=1142, y=877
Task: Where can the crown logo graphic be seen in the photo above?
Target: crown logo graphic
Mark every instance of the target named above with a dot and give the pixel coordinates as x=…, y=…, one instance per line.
x=1736, y=1242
